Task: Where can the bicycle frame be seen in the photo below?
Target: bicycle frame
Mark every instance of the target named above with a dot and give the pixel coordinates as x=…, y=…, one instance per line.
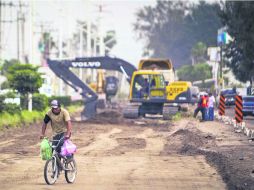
x=56, y=156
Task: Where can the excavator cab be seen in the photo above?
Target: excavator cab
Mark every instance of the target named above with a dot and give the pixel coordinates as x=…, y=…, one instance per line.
x=111, y=87
x=148, y=95
x=147, y=85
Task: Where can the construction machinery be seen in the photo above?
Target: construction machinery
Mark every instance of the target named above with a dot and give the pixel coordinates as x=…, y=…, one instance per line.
x=151, y=93
x=62, y=69
x=162, y=94
x=105, y=86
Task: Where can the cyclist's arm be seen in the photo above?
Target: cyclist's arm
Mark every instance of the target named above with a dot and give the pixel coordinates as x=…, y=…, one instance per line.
x=44, y=125
x=69, y=127
x=67, y=118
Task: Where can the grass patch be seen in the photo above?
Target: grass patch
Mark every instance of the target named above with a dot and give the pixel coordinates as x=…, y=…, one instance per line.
x=73, y=108
x=177, y=116
x=7, y=119
x=26, y=117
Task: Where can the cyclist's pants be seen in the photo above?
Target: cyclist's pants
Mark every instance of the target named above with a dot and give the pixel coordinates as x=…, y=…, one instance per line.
x=58, y=137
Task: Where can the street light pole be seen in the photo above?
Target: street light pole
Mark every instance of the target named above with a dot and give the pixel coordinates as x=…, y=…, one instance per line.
x=221, y=66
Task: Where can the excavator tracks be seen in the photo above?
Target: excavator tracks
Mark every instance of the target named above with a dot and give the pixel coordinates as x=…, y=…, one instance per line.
x=131, y=112
x=169, y=111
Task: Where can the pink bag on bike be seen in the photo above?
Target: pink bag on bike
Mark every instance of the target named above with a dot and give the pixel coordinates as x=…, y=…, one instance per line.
x=68, y=148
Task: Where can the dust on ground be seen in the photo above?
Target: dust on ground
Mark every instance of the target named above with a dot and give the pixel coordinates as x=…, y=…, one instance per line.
x=146, y=153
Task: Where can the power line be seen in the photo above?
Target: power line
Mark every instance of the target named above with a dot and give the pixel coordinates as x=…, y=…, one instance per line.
x=20, y=20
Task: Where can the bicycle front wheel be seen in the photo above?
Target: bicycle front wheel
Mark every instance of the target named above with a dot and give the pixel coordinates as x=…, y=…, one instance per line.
x=51, y=171
x=71, y=170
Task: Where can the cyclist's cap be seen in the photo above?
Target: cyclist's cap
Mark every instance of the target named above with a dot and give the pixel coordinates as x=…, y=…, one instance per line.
x=55, y=104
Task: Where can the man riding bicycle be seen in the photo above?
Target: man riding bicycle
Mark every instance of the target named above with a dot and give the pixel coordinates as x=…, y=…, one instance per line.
x=60, y=122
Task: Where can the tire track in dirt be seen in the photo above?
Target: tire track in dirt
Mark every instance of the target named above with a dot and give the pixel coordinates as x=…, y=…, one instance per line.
x=139, y=166
x=102, y=143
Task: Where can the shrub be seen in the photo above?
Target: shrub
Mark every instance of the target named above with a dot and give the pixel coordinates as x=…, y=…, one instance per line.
x=12, y=108
x=64, y=100
x=40, y=102
x=2, y=103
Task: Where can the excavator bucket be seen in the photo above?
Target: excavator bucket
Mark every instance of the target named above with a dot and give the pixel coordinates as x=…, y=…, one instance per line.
x=89, y=110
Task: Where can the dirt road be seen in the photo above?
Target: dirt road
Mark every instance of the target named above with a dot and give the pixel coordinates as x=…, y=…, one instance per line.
x=115, y=153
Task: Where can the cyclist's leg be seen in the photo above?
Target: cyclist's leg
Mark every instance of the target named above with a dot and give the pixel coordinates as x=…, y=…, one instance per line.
x=56, y=138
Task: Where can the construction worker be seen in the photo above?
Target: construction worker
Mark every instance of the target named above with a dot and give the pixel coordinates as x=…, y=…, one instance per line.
x=199, y=106
x=211, y=103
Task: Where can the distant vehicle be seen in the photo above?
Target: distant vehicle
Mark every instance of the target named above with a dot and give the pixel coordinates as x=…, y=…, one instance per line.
x=230, y=91
x=230, y=99
x=248, y=105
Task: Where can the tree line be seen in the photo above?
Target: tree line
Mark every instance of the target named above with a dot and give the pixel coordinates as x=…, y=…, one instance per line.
x=173, y=29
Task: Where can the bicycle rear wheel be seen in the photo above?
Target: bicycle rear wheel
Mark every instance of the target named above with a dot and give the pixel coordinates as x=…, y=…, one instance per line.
x=50, y=171
x=70, y=170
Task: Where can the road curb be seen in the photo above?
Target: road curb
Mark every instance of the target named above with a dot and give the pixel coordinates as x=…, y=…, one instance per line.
x=238, y=127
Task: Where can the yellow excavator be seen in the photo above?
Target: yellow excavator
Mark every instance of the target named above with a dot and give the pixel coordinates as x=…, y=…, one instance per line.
x=154, y=91
x=152, y=87
x=98, y=86
x=105, y=86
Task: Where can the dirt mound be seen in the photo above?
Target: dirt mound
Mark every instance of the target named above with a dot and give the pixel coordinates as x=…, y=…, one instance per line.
x=229, y=160
x=107, y=117
x=186, y=141
x=114, y=116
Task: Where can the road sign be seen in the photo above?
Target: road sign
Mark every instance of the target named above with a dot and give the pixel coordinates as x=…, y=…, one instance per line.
x=223, y=38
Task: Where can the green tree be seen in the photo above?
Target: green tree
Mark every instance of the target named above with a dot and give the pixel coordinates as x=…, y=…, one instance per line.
x=24, y=78
x=198, y=53
x=184, y=73
x=7, y=64
x=238, y=17
x=171, y=29
x=4, y=69
x=196, y=72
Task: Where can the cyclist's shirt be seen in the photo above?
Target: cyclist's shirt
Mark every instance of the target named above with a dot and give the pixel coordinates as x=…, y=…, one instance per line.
x=58, y=122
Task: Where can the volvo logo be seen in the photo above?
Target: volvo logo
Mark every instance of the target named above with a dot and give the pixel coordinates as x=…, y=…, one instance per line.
x=86, y=64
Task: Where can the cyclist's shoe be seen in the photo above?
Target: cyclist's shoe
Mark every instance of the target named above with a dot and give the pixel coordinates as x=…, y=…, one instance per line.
x=69, y=158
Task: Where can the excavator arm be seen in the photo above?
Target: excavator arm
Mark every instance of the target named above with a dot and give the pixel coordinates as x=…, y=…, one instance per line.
x=62, y=69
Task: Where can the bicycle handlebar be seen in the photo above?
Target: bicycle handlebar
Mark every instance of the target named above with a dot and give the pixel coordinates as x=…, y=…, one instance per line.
x=57, y=143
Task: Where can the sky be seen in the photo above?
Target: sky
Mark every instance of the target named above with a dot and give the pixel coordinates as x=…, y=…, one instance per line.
x=128, y=47
x=118, y=15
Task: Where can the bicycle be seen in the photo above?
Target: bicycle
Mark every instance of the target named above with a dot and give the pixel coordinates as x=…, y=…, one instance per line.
x=58, y=163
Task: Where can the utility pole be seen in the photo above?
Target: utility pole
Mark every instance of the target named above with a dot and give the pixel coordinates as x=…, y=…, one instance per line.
x=20, y=33
x=60, y=48
x=0, y=29
x=101, y=34
x=18, y=48
x=221, y=66
x=23, y=56
x=11, y=20
x=81, y=49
